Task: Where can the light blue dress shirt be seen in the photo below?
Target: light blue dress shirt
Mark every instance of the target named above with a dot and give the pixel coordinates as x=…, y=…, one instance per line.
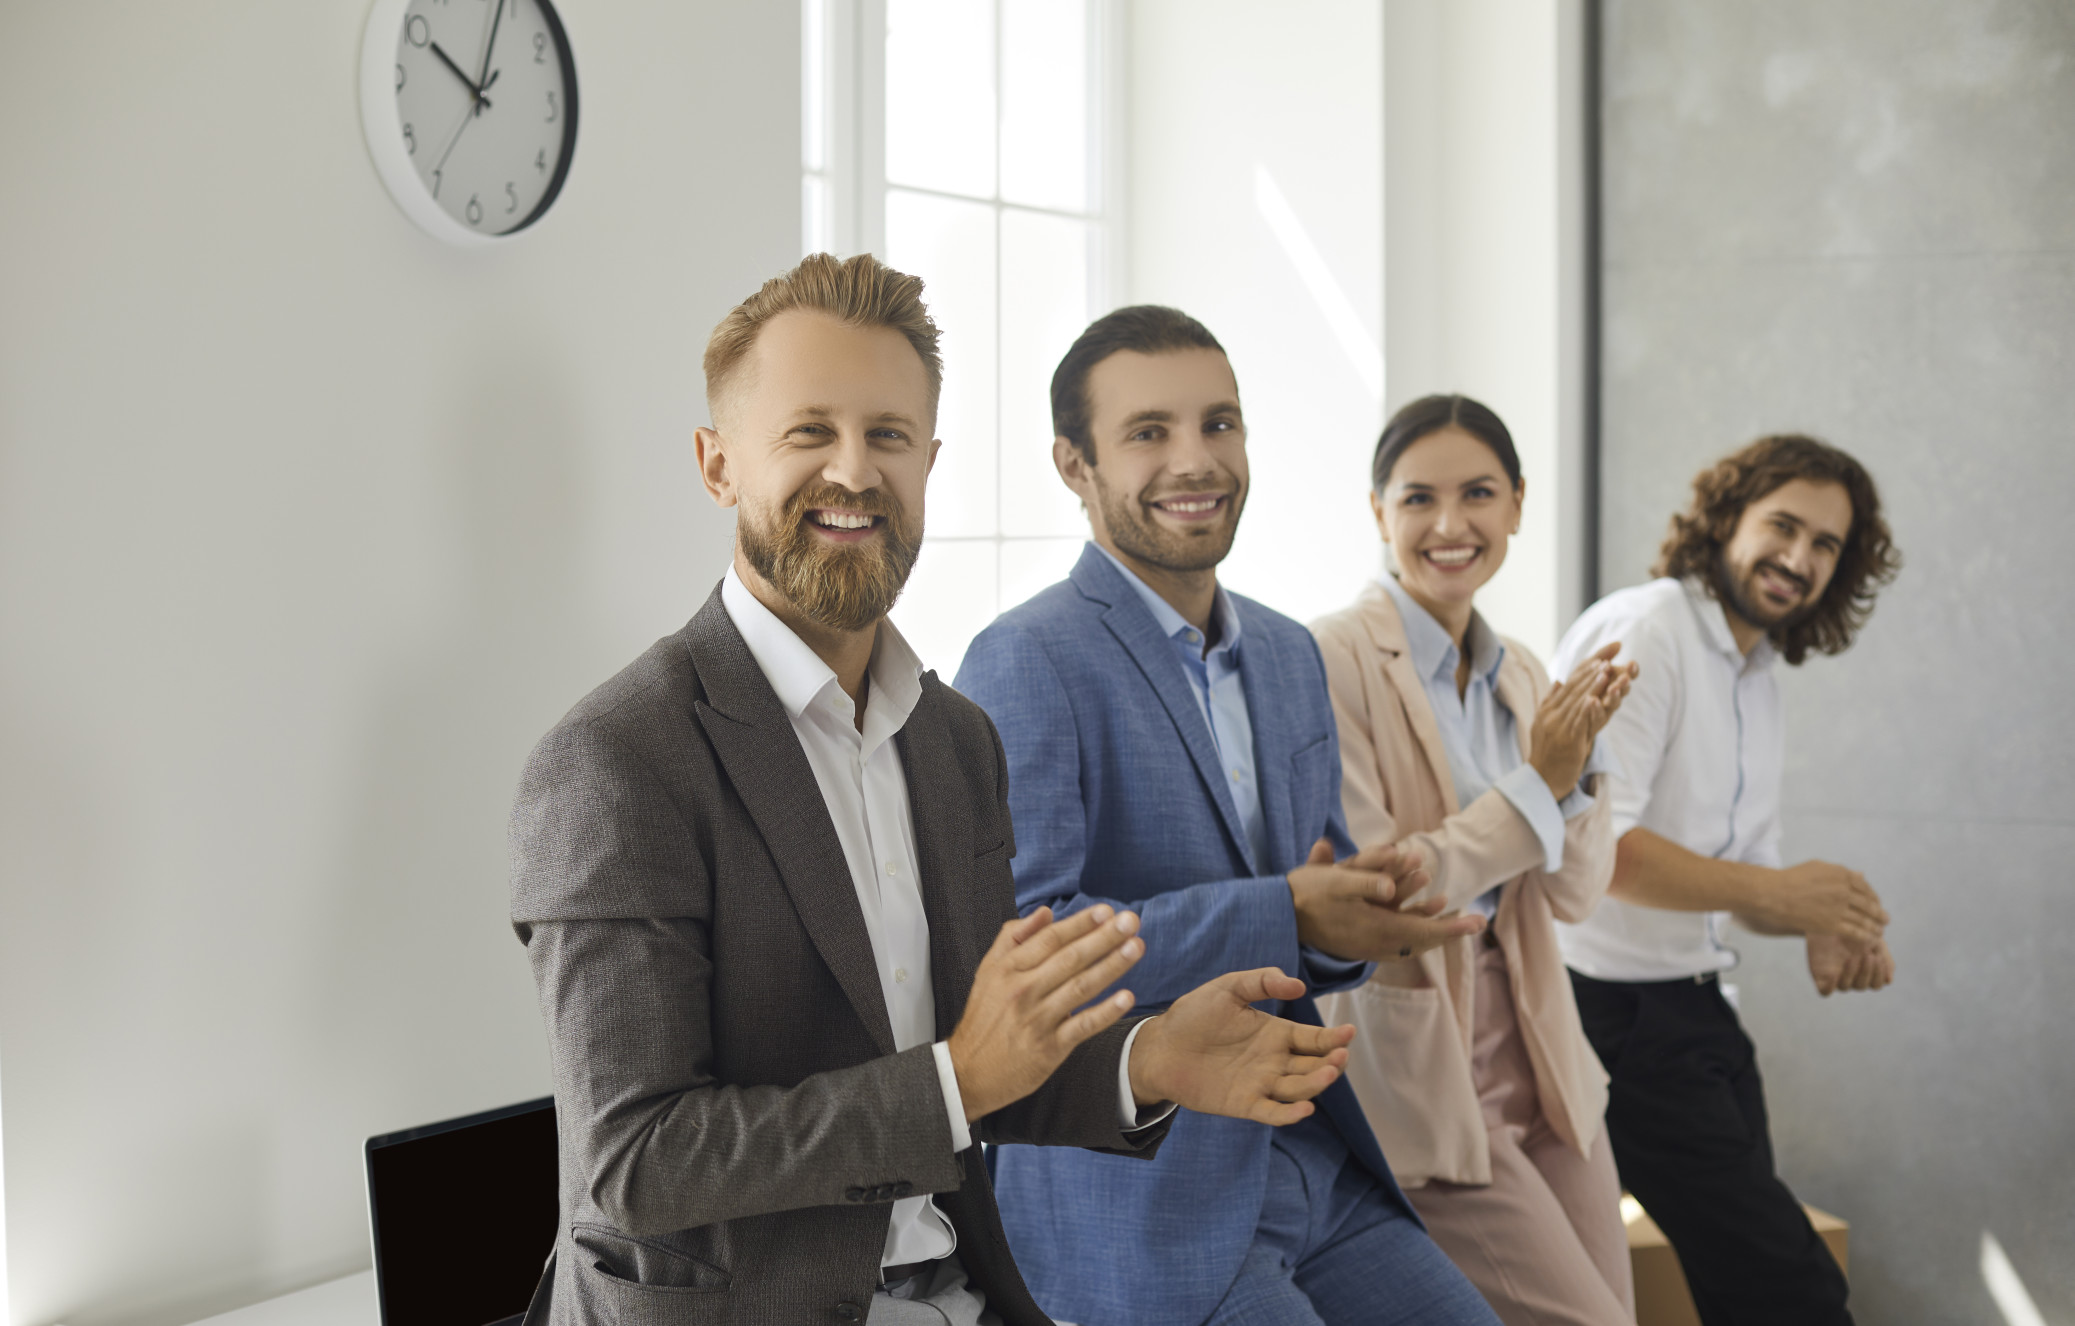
x=1220, y=696
x=1480, y=735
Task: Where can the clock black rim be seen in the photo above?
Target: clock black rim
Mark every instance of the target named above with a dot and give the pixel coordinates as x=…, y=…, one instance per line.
x=567, y=58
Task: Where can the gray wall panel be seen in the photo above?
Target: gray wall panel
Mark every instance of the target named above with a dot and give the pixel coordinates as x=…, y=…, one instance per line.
x=1858, y=219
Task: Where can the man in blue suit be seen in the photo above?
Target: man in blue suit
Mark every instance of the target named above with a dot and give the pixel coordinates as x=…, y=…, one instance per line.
x=1171, y=748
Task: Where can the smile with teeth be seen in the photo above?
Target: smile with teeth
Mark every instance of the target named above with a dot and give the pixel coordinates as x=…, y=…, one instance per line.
x=1780, y=584
x=1193, y=506
x=831, y=518
x=1450, y=559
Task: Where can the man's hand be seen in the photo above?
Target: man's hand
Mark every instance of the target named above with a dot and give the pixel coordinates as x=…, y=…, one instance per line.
x=1817, y=898
x=1019, y=1023
x=1343, y=907
x=1212, y=1053
x=1838, y=964
x=1571, y=715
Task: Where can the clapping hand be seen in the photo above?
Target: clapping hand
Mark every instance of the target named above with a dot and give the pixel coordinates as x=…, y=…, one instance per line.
x=1571, y=715
x=1369, y=927
x=1020, y=1020
x=1840, y=964
x=1214, y=1053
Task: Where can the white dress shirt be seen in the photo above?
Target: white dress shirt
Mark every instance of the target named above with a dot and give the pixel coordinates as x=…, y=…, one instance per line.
x=1698, y=745
x=866, y=791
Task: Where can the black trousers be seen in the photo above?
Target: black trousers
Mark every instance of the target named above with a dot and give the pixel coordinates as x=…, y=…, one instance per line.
x=1686, y=1113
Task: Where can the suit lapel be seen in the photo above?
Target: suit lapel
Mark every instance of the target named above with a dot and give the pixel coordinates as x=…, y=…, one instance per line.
x=1135, y=629
x=753, y=738
x=1261, y=667
x=1387, y=632
x=938, y=804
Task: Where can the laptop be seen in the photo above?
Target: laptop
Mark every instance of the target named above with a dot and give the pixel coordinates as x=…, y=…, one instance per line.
x=463, y=1215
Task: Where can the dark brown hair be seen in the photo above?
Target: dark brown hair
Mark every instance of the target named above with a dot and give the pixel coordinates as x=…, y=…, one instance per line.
x=1146, y=328
x=1869, y=559
x=1431, y=414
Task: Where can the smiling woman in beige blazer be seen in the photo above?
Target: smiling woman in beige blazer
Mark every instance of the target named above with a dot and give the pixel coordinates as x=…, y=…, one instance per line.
x=1471, y=1064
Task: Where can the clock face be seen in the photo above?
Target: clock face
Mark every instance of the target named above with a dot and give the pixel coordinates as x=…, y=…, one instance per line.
x=480, y=121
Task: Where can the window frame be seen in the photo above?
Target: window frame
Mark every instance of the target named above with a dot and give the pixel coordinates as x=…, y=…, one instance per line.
x=843, y=44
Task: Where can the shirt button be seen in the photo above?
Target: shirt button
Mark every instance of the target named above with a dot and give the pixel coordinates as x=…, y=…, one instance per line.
x=900, y=975
x=890, y=869
x=1235, y=775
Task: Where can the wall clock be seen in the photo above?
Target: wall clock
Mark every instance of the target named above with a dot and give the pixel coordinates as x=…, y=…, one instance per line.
x=470, y=112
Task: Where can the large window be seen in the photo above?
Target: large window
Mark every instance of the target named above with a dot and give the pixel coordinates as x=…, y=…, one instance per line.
x=969, y=142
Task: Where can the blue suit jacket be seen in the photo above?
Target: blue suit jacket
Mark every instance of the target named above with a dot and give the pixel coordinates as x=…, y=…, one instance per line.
x=1117, y=795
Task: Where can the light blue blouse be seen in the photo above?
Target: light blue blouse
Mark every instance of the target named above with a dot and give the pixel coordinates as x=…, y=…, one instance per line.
x=1480, y=735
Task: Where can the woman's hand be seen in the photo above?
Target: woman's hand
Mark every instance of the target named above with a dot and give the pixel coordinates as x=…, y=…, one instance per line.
x=1571, y=716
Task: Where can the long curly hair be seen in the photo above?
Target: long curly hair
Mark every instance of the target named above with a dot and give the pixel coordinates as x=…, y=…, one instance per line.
x=1700, y=534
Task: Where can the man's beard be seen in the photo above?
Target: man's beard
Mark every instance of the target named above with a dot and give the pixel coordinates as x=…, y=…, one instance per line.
x=1136, y=533
x=1740, y=594
x=843, y=588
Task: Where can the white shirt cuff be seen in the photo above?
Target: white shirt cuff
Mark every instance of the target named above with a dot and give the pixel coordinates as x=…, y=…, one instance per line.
x=954, y=1104
x=1129, y=1116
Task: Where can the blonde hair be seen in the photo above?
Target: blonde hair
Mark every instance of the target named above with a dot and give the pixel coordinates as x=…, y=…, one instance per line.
x=860, y=290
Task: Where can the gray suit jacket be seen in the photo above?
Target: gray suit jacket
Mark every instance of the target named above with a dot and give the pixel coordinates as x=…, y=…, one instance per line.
x=734, y=1118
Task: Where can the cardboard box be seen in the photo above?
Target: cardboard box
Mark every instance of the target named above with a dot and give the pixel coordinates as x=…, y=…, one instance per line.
x=1662, y=1298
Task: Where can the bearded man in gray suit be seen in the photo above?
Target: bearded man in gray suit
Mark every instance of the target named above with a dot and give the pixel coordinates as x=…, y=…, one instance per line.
x=763, y=871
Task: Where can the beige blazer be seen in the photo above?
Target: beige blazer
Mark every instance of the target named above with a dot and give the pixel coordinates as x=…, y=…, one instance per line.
x=1414, y=1018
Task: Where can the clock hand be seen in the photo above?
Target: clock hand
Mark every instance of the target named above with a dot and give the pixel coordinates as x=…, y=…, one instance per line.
x=496, y=17
x=442, y=163
x=475, y=93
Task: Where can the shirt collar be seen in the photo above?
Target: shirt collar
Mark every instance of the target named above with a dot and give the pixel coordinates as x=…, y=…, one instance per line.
x=1433, y=651
x=1172, y=623
x=797, y=673
x=1714, y=623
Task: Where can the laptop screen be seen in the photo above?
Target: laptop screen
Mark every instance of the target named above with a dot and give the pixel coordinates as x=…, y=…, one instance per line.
x=464, y=1214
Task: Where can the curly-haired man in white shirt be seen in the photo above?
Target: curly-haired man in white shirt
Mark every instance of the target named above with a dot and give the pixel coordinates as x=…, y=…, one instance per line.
x=1780, y=554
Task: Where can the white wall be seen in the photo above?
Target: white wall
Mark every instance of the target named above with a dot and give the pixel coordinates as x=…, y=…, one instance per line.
x=1427, y=152
x=1483, y=258
x=1222, y=95
x=309, y=526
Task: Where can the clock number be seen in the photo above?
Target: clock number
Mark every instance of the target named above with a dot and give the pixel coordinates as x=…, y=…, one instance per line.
x=399, y=78
x=540, y=48
x=551, y=108
x=540, y=161
x=435, y=182
x=417, y=32
x=410, y=139
x=475, y=211
x=511, y=191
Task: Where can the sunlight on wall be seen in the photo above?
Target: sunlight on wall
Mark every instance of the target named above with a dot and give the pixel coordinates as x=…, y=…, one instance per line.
x=2012, y=1299
x=1339, y=311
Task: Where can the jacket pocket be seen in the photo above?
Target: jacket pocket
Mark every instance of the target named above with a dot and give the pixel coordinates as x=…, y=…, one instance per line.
x=1413, y=1079
x=644, y=1264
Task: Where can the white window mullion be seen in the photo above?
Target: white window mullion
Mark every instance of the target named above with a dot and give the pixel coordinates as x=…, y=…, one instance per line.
x=1108, y=120
x=868, y=105
x=1000, y=524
